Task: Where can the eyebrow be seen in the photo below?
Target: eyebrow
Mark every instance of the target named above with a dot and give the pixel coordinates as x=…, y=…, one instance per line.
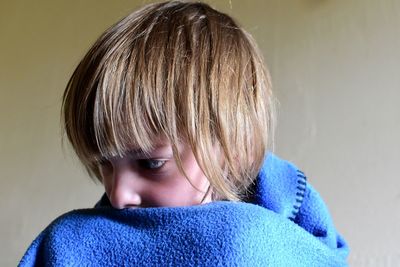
x=140, y=151
x=131, y=152
x=161, y=148
x=136, y=152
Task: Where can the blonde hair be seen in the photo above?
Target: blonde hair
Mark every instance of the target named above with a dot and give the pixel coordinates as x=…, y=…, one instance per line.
x=178, y=69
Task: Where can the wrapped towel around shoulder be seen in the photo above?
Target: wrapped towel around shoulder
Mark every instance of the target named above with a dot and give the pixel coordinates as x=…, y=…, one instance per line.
x=284, y=223
x=215, y=234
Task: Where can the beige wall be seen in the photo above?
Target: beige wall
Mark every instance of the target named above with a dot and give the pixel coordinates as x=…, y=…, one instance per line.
x=335, y=68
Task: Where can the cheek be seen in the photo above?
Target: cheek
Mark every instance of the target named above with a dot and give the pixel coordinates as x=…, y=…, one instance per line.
x=198, y=185
x=196, y=175
x=177, y=190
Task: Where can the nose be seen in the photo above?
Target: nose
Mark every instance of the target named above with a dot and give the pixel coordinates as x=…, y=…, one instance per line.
x=124, y=190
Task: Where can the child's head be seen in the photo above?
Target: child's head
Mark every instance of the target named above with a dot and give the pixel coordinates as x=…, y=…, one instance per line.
x=182, y=73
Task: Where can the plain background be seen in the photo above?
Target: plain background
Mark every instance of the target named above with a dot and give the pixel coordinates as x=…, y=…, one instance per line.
x=335, y=70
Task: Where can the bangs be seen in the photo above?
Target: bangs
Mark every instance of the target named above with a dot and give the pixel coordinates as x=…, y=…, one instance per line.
x=149, y=80
x=129, y=81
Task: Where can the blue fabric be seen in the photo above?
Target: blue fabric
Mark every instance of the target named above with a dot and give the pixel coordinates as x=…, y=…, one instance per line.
x=284, y=223
x=282, y=188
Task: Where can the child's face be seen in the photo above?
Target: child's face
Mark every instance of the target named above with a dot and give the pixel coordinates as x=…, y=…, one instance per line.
x=153, y=179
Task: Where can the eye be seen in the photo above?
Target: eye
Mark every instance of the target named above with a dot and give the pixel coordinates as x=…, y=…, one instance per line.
x=151, y=164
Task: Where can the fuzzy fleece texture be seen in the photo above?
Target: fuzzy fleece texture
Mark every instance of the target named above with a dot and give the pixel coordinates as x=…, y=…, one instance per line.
x=284, y=223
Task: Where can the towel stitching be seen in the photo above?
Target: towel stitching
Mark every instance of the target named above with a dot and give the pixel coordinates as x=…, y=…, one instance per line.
x=301, y=190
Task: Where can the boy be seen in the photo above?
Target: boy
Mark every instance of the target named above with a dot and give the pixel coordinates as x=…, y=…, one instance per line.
x=172, y=110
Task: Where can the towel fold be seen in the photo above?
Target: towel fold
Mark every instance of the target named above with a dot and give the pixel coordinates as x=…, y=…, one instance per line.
x=284, y=223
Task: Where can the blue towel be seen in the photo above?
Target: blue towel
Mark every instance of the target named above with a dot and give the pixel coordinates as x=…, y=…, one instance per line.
x=284, y=223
